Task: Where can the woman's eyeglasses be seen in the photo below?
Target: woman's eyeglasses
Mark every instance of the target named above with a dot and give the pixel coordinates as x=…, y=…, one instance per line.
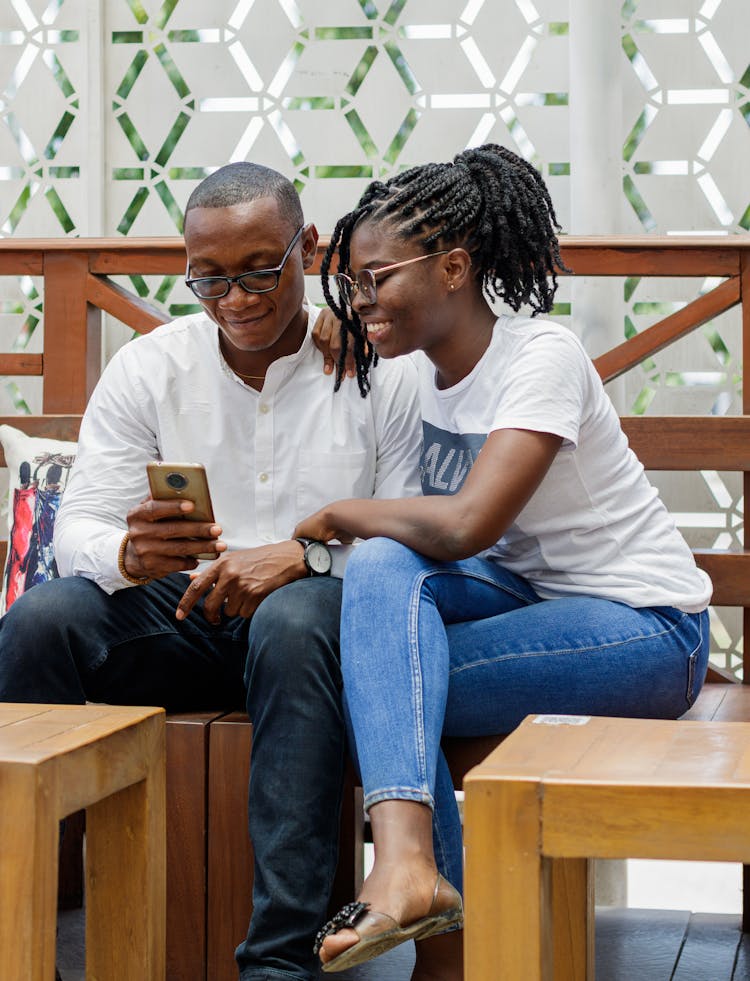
x=365, y=281
x=257, y=281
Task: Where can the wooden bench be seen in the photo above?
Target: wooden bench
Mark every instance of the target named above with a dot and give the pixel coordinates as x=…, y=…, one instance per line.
x=208, y=855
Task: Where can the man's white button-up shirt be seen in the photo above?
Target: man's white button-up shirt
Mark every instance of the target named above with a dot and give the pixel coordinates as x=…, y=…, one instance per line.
x=272, y=457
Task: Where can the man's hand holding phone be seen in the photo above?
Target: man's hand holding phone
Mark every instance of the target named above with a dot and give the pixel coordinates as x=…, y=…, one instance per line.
x=173, y=528
x=163, y=538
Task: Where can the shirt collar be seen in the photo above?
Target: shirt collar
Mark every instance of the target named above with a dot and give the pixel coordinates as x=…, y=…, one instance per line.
x=282, y=366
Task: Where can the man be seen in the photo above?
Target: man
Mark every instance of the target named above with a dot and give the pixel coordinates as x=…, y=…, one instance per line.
x=240, y=388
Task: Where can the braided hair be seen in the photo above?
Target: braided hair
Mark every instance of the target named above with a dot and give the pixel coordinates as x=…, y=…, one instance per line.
x=488, y=200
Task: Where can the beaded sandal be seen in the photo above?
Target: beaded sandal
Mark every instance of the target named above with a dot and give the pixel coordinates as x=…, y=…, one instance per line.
x=379, y=932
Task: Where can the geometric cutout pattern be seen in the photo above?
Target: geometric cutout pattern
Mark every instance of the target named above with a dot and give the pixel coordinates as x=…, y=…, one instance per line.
x=108, y=121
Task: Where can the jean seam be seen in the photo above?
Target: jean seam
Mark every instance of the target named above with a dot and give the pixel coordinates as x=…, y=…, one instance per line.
x=416, y=674
x=572, y=650
x=488, y=580
x=137, y=635
x=414, y=650
x=146, y=634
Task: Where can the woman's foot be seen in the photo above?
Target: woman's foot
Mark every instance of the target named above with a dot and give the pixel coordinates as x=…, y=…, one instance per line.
x=399, y=897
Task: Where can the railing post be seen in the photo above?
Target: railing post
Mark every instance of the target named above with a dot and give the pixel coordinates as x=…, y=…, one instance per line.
x=745, y=308
x=72, y=331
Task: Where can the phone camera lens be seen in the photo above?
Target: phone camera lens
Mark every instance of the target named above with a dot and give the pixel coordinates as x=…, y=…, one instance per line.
x=177, y=481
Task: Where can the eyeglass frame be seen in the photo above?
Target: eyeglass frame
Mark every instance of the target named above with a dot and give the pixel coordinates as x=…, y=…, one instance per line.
x=353, y=285
x=229, y=280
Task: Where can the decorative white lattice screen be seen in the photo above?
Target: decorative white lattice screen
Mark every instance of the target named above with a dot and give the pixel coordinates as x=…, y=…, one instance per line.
x=112, y=110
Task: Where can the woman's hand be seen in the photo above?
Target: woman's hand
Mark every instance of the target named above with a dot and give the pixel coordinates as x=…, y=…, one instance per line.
x=327, y=338
x=322, y=527
x=448, y=527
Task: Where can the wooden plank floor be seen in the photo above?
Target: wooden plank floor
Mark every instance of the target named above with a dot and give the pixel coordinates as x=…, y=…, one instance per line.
x=646, y=945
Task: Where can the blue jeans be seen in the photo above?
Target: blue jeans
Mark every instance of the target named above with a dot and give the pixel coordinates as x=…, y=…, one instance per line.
x=67, y=641
x=468, y=649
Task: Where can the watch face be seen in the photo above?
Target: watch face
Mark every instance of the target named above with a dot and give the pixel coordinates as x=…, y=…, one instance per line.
x=318, y=557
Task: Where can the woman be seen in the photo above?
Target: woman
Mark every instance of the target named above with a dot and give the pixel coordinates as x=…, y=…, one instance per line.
x=539, y=573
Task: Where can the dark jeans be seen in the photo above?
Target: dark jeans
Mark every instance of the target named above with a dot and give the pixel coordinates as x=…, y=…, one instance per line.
x=67, y=641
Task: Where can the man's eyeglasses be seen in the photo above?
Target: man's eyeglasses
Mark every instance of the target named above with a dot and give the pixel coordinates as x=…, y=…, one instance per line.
x=365, y=281
x=257, y=281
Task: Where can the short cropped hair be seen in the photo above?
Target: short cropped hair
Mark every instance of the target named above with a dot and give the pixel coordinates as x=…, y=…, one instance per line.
x=238, y=183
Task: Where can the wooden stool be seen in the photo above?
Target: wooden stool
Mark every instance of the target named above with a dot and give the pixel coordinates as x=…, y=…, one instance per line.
x=55, y=760
x=562, y=790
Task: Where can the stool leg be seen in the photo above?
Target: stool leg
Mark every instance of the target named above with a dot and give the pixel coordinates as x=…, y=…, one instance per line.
x=126, y=882
x=29, y=833
x=506, y=893
x=572, y=893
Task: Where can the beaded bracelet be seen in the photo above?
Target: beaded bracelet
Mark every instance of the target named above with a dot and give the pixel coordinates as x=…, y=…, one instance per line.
x=135, y=580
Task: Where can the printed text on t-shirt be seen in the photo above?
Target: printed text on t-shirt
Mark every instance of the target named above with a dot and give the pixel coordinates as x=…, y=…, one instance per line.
x=447, y=458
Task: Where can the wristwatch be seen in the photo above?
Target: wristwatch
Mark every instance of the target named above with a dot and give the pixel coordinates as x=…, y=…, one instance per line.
x=317, y=556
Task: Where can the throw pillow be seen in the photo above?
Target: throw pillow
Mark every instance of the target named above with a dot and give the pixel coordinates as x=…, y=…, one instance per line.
x=38, y=471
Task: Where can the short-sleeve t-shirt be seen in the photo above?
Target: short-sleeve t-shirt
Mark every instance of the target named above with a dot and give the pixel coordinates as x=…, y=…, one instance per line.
x=595, y=526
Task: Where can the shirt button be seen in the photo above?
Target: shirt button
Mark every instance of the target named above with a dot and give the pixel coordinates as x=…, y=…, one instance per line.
x=265, y=408
x=262, y=477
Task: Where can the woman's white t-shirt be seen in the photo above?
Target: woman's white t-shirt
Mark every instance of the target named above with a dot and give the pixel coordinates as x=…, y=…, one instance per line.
x=595, y=526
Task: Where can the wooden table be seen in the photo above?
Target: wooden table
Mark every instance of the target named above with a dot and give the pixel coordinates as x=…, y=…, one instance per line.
x=55, y=760
x=562, y=790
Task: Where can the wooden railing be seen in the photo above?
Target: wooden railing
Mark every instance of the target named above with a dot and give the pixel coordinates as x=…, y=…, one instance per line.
x=78, y=287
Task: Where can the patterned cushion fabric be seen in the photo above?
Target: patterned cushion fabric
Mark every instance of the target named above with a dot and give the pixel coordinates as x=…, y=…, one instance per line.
x=38, y=473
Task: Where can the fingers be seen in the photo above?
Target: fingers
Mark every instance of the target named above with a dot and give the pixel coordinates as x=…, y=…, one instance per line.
x=326, y=335
x=151, y=510
x=350, y=366
x=218, y=600
x=201, y=583
x=315, y=526
x=328, y=340
x=235, y=584
x=164, y=540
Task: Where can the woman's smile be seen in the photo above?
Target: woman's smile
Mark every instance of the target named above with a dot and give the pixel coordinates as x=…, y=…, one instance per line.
x=379, y=331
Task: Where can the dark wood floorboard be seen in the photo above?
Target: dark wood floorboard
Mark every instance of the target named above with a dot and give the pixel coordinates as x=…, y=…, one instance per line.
x=642, y=944
x=631, y=945
x=711, y=940
x=742, y=965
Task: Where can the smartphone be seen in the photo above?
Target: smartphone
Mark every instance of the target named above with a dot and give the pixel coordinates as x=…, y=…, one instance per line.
x=182, y=481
